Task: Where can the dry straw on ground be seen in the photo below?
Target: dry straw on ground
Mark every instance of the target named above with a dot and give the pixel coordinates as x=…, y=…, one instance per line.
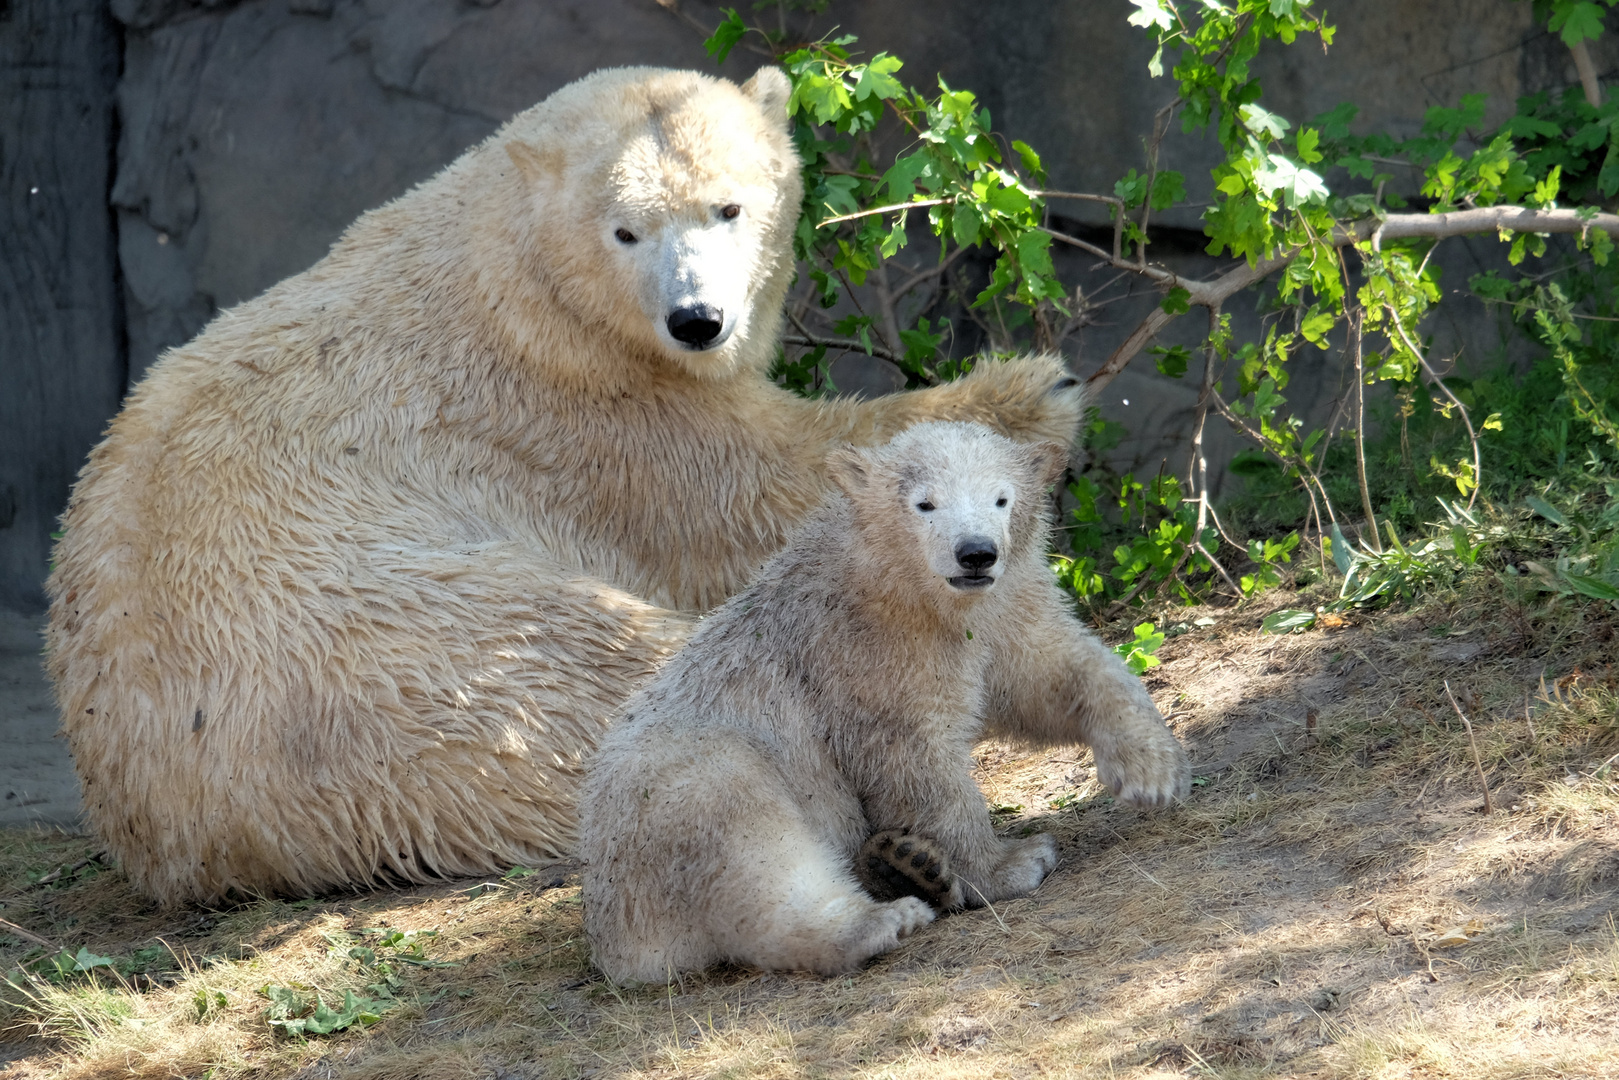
x=1331, y=901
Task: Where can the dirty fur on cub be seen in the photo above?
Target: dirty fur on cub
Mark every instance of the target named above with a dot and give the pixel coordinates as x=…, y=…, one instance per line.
x=840, y=696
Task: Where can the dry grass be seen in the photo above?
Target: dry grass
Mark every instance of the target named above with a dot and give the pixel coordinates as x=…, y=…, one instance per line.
x=1332, y=901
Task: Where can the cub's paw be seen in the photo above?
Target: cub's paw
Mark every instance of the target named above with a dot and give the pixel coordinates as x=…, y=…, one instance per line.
x=910, y=915
x=1024, y=866
x=1149, y=770
x=880, y=931
x=895, y=863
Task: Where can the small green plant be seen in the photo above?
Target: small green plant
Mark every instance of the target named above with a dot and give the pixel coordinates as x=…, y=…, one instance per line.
x=209, y=1003
x=66, y=965
x=1140, y=652
x=303, y=1013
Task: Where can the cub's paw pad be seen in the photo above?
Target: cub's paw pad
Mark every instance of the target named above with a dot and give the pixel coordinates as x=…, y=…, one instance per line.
x=895, y=863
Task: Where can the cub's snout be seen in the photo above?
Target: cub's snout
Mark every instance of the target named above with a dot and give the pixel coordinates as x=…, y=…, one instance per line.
x=976, y=555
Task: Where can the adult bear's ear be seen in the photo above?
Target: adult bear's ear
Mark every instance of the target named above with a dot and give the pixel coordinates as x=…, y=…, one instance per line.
x=770, y=90
x=848, y=468
x=1049, y=460
x=537, y=166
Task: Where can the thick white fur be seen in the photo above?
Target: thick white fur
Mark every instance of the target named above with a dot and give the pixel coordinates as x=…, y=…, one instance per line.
x=356, y=578
x=838, y=696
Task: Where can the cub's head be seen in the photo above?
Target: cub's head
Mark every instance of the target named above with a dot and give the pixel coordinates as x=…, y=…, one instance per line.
x=663, y=205
x=950, y=507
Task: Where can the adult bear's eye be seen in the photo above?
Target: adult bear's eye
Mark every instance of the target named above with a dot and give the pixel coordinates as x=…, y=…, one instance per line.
x=730, y=212
x=624, y=236
x=924, y=506
x=1001, y=501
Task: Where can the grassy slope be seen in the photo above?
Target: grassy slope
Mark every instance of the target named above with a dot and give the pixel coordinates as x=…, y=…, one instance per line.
x=1291, y=919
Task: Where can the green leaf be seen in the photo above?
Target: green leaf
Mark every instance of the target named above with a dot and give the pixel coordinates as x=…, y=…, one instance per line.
x=1168, y=188
x=1034, y=253
x=1546, y=510
x=1316, y=325
x=878, y=78
x=1138, y=653
x=965, y=224
x=725, y=36
x=1297, y=186
x=1306, y=142
x=1262, y=122
x=1340, y=550
x=1172, y=361
x=1031, y=160
x=1177, y=301
x=1287, y=621
x=1594, y=587
x=1153, y=13
x=1608, y=176
x=1577, y=22
x=1132, y=189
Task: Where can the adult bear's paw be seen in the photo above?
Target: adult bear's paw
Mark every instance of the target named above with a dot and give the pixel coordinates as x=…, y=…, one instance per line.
x=895, y=863
x=1029, y=398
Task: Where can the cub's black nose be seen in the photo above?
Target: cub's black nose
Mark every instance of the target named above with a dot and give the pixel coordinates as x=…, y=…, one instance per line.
x=695, y=326
x=976, y=554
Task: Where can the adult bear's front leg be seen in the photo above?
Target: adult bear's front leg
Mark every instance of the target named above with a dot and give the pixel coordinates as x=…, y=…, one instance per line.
x=1053, y=682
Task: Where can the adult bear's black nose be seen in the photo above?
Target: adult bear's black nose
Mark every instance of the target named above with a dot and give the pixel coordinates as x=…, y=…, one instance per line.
x=696, y=326
x=976, y=554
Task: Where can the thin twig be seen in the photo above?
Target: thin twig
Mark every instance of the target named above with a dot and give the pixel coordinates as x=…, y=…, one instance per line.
x=1358, y=360
x=1478, y=763
x=28, y=935
x=811, y=341
x=884, y=210
x=987, y=904
x=1467, y=421
x=933, y=271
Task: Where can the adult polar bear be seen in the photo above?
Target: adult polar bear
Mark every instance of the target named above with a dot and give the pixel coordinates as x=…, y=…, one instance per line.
x=358, y=574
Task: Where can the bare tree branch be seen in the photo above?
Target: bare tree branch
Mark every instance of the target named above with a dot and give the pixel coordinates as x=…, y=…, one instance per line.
x=1480, y=220
x=847, y=345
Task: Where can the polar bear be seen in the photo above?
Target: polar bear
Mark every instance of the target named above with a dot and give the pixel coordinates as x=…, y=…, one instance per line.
x=354, y=581
x=841, y=694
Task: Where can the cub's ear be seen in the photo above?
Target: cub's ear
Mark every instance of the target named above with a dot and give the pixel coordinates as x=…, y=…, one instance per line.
x=770, y=90
x=1048, y=459
x=536, y=165
x=848, y=469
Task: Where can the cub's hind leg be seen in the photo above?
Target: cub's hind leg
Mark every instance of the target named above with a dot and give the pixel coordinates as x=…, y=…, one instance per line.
x=697, y=852
x=802, y=909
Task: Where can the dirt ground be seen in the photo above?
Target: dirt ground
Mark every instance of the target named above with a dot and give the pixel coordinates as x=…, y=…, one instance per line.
x=1332, y=900
x=37, y=785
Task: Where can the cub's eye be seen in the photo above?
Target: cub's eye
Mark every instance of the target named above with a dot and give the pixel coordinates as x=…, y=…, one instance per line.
x=624, y=236
x=730, y=212
x=924, y=506
x=1001, y=501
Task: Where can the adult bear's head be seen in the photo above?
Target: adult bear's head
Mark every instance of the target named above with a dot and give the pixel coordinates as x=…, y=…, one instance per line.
x=661, y=206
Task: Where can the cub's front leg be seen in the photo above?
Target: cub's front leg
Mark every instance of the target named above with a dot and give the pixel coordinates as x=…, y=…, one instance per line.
x=1053, y=682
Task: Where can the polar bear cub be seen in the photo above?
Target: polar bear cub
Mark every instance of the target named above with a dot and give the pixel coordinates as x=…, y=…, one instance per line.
x=839, y=695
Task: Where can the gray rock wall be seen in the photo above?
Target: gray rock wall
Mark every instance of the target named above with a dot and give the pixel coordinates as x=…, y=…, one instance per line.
x=250, y=133
x=61, y=343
